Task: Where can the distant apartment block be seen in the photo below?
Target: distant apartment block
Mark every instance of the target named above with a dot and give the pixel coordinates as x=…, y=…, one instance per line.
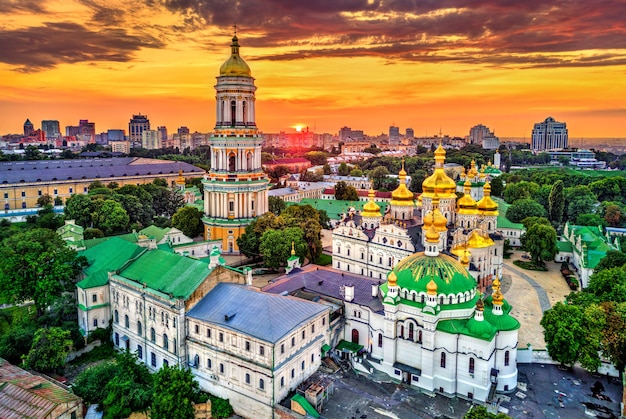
x=347, y=134
x=84, y=131
x=394, y=135
x=116, y=135
x=120, y=146
x=549, y=135
x=29, y=128
x=410, y=134
x=51, y=128
x=162, y=136
x=480, y=134
x=150, y=139
x=137, y=125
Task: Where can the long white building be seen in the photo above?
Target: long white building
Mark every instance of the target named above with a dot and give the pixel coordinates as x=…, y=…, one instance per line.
x=549, y=135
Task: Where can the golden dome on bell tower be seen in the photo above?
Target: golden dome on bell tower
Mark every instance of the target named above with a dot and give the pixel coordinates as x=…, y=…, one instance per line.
x=235, y=65
x=439, y=182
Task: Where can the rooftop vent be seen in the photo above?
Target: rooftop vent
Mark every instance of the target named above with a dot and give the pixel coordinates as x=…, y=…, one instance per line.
x=228, y=316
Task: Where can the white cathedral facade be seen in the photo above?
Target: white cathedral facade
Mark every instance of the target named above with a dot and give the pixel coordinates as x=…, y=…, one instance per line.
x=370, y=243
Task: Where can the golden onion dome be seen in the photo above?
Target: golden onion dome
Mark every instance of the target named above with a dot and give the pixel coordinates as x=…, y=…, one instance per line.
x=180, y=180
x=431, y=235
x=439, y=182
x=465, y=259
x=497, y=297
x=401, y=195
x=429, y=219
x=440, y=222
x=371, y=208
x=482, y=173
x=466, y=204
x=235, y=65
x=486, y=205
x=392, y=279
x=480, y=305
x=496, y=284
x=478, y=241
x=431, y=287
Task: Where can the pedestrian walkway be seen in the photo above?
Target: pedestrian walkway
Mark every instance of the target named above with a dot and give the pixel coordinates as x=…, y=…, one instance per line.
x=531, y=293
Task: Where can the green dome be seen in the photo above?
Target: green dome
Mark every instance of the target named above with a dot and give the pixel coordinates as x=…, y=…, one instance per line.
x=503, y=322
x=416, y=271
x=481, y=329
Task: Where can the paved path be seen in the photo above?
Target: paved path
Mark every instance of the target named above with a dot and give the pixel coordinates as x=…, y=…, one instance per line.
x=544, y=301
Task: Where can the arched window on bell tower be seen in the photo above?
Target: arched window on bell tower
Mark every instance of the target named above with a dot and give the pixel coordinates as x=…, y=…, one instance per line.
x=233, y=113
x=249, y=161
x=245, y=110
x=223, y=112
x=231, y=162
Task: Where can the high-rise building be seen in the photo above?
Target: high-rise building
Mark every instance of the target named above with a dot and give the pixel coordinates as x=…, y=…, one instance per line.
x=235, y=192
x=549, y=135
x=136, y=126
x=116, y=135
x=410, y=134
x=347, y=134
x=394, y=135
x=480, y=134
x=28, y=128
x=150, y=139
x=51, y=128
x=84, y=131
x=162, y=136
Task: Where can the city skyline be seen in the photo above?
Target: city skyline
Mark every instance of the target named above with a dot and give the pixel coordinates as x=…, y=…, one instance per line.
x=367, y=65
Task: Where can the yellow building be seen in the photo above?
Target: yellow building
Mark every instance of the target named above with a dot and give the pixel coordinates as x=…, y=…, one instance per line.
x=23, y=182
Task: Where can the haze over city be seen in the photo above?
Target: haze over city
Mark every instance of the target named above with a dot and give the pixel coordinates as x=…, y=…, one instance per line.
x=366, y=64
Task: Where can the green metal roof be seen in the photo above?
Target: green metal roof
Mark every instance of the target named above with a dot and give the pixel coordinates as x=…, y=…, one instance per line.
x=468, y=327
x=107, y=256
x=346, y=346
x=504, y=222
x=564, y=246
x=596, y=244
x=335, y=207
x=168, y=273
x=310, y=410
x=155, y=232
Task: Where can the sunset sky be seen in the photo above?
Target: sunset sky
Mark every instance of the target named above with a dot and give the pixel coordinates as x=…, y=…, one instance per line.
x=367, y=64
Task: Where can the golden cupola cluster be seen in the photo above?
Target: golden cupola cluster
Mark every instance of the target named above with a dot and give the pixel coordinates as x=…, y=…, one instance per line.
x=371, y=208
x=439, y=183
x=487, y=206
x=431, y=235
x=497, y=297
x=467, y=205
x=401, y=196
x=235, y=66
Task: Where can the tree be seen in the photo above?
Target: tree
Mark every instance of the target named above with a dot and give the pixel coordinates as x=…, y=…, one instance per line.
x=307, y=219
x=612, y=259
x=497, y=187
x=92, y=233
x=317, y=158
x=37, y=265
x=417, y=179
x=275, y=246
x=44, y=200
x=343, y=169
x=16, y=342
x=326, y=169
x=130, y=390
x=540, y=241
x=520, y=190
x=613, y=215
x=356, y=172
x=340, y=190
x=563, y=332
x=608, y=285
x=91, y=381
x=276, y=204
x=556, y=203
x=481, y=412
x=590, y=220
x=189, y=221
x=49, y=350
x=175, y=390
x=523, y=208
x=378, y=176
x=578, y=200
x=614, y=336
x=79, y=209
x=110, y=217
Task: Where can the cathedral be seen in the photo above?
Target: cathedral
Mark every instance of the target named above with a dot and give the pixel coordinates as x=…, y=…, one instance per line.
x=235, y=190
x=370, y=243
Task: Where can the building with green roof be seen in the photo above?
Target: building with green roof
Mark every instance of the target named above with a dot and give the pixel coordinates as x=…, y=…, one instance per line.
x=510, y=231
x=584, y=247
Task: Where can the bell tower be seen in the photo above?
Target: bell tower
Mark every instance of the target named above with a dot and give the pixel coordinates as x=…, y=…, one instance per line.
x=235, y=190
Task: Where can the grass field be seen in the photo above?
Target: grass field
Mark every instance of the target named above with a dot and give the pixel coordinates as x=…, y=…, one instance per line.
x=324, y=260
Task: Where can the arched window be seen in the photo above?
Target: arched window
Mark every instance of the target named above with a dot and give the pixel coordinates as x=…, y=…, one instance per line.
x=233, y=113
x=410, y=331
x=402, y=331
x=245, y=111
x=249, y=161
x=166, y=343
x=419, y=336
x=174, y=346
x=152, y=334
x=261, y=384
x=196, y=361
x=441, y=300
x=380, y=340
x=293, y=373
x=126, y=321
x=422, y=298
x=116, y=317
x=471, y=365
x=247, y=378
x=506, y=358
x=139, y=329
x=231, y=162
x=355, y=336
x=442, y=362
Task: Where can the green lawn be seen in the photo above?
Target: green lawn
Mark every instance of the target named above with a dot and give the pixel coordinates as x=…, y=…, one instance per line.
x=324, y=260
